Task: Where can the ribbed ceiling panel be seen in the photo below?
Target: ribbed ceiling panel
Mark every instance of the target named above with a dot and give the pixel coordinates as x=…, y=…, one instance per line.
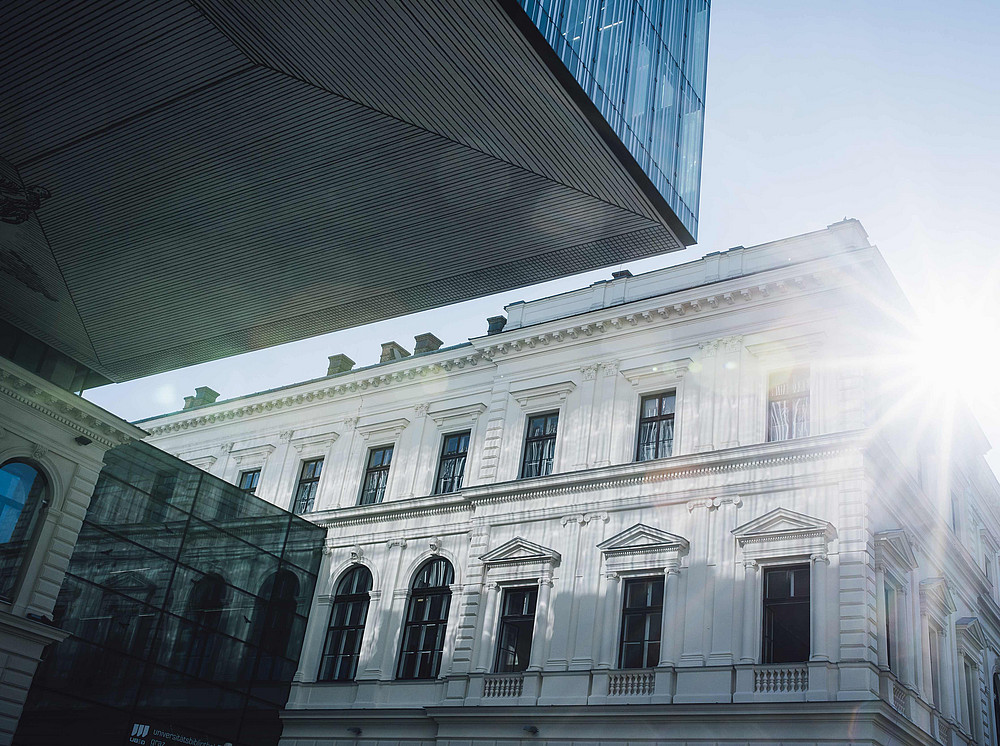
x=446, y=67
x=231, y=176
x=73, y=68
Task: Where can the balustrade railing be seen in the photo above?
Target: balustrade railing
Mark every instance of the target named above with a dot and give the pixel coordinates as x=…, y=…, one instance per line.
x=631, y=683
x=503, y=685
x=899, y=699
x=780, y=679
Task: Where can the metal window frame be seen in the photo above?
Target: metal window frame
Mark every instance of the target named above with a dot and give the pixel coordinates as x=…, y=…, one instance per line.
x=303, y=481
x=369, y=470
x=645, y=611
x=672, y=417
x=442, y=458
x=529, y=440
x=510, y=618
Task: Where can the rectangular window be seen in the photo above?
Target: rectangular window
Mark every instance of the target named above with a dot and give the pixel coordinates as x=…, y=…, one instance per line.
x=540, y=445
x=788, y=405
x=935, y=655
x=451, y=469
x=248, y=480
x=972, y=707
x=305, y=493
x=891, y=621
x=786, y=615
x=656, y=426
x=517, y=622
x=376, y=475
x=642, y=615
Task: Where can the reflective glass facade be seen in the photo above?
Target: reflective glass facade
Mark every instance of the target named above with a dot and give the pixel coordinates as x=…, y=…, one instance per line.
x=642, y=63
x=186, y=600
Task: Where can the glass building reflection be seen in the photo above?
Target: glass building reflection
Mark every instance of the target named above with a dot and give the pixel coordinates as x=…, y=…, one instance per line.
x=186, y=600
x=642, y=63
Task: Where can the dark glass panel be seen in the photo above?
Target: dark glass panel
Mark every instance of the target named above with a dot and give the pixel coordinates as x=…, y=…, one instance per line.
x=656, y=426
x=517, y=623
x=451, y=468
x=539, y=445
x=642, y=616
x=786, y=615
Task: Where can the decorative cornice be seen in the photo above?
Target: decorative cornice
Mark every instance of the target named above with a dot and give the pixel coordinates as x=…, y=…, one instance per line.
x=488, y=349
x=309, y=398
x=669, y=371
x=453, y=416
x=66, y=408
x=677, y=467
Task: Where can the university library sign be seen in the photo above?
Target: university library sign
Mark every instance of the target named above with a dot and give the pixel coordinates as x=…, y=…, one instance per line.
x=146, y=735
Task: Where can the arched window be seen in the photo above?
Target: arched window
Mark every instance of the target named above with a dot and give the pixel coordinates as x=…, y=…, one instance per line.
x=23, y=492
x=347, y=626
x=426, y=621
x=273, y=619
x=200, y=644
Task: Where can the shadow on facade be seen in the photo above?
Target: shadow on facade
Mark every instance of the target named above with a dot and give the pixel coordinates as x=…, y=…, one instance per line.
x=186, y=600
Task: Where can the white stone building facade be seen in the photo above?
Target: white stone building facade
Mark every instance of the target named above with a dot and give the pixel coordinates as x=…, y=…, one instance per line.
x=692, y=508
x=60, y=439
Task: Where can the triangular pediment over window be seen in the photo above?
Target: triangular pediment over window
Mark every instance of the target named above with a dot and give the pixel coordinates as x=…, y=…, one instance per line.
x=781, y=523
x=783, y=533
x=642, y=537
x=936, y=599
x=520, y=551
x=970, y=637
x=895, y=548
x=642, y=548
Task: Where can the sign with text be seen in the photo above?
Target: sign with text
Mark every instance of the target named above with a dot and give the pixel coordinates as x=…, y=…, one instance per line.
x=144, y=734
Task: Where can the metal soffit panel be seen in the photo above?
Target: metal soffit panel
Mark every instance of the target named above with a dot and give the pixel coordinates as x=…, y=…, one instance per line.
x=235, y=181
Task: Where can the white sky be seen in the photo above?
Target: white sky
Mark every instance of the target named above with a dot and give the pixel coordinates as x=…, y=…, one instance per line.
x=886, y=112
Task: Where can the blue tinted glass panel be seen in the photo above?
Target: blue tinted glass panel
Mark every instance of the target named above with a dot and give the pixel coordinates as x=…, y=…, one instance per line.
x=642, y=63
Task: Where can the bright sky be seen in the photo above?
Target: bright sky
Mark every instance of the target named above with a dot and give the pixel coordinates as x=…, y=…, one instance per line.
x=887, y=112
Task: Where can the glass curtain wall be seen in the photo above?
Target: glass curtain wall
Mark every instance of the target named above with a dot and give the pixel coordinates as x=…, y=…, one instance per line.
x=186, y=600
x=642, y=63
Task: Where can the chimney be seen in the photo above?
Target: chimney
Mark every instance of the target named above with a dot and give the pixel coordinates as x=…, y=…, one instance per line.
x=339, y=364
x=202, y=395
x=621, y=274
x=426, y=343
x=497, y=323
x=392, y=351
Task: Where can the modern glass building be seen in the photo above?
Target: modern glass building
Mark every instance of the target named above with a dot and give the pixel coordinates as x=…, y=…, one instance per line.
x=186, y=600
x=642, y=63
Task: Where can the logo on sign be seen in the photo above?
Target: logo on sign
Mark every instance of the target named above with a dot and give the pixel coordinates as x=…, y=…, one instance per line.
x=139, y=733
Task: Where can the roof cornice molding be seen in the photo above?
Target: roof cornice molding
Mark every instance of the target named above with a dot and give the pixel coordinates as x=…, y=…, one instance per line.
x=651, y=312
x=65, y=408
x=255, y=405
x=658, y=310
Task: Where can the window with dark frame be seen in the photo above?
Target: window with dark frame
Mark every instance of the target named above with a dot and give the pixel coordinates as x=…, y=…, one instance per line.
x=786, y=615
x=890, y=626
x=539, y=445
x=347, y=626
x=426, y=621
x=935, y=656
x=305, y=493
x=996, y=708
x=656, y=426
x=788, y=405
x=248, y=480
x=972, y=706
x=376, y=475
x=642, y=619
x=517, y=622
x=451, y=468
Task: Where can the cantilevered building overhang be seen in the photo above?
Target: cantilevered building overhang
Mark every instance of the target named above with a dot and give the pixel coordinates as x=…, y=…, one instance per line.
x=190, y=179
